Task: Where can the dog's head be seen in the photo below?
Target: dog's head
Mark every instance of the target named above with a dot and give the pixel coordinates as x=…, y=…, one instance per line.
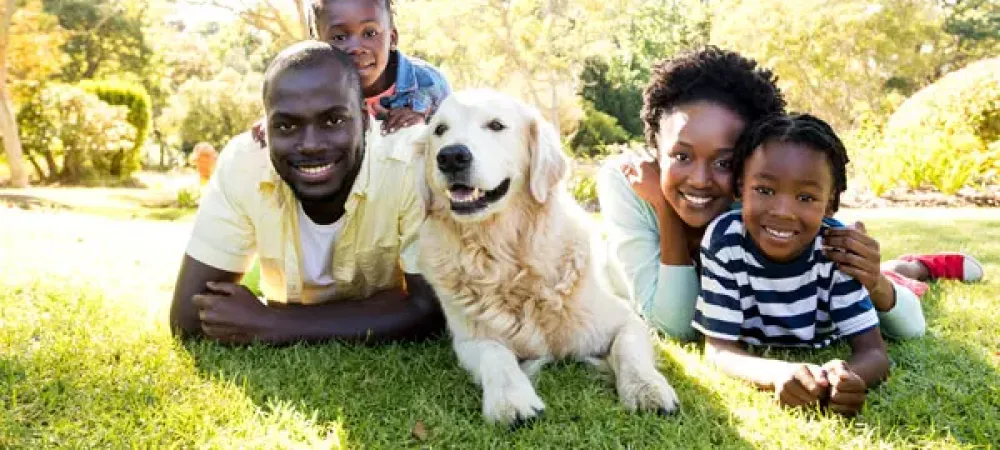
x=483, y=149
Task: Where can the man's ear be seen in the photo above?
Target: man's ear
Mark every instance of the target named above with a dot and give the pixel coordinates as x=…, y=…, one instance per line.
x=548, y=164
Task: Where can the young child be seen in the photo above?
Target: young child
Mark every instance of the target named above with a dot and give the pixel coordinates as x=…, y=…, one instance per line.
x=400, y=90
x=767, y=282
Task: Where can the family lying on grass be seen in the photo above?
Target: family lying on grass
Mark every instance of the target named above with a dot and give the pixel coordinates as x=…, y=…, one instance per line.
x=726, y=232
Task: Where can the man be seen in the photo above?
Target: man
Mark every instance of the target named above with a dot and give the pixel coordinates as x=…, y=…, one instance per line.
x=331, y=219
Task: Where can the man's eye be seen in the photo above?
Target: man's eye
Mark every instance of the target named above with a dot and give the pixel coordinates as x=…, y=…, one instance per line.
x=763, y=190
x=496, y=125
x=284, y=127
x=440, y=130
x=334, y=121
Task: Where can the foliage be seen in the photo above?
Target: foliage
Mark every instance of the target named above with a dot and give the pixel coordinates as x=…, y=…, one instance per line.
x=945, y=135
x=188, y=197
x=105, y=38
x=838, y=59
x=975, y=25
x=214, y=110
x=135, y=98
x=596, y=130
x=34, y=53
x=76, y=135
x=619, y=98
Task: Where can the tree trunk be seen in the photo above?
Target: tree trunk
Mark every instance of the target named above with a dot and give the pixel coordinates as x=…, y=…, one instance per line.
x=303, y=23
x=8, y=122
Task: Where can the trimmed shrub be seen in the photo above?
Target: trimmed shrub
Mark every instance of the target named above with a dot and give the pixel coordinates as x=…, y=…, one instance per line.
x=597, y=130
x=140, y=113
x=70, y=135
x=944, y=136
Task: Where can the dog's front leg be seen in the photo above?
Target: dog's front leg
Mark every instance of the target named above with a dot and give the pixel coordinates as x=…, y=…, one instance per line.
x=640, y=385
x=508, y=397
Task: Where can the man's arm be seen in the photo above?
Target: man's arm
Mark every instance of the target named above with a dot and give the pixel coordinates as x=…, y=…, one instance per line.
x=192, y=280
x=386, y=316
x=230, y=313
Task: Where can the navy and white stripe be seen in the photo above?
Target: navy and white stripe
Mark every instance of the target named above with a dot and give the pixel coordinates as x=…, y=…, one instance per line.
x=807, y=302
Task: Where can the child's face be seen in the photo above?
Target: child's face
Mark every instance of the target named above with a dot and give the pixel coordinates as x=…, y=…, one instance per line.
x=786, y=190
x=695, y=143
x=362, y=29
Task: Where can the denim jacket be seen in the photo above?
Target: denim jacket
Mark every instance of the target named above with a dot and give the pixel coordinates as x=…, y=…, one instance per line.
x=419, y=86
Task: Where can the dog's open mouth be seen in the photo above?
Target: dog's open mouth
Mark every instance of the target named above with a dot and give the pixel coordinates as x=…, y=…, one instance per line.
x=468, y=200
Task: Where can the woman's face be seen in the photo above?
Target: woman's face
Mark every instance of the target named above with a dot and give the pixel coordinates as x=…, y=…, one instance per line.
x=695, y=145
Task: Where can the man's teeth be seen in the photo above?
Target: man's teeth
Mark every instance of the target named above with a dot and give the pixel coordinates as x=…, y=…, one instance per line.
x=780, y=234
x=465, y=196
x=697, y=200
x=315, y=169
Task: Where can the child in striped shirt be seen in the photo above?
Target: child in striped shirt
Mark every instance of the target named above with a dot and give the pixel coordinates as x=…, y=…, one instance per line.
x=766, y=280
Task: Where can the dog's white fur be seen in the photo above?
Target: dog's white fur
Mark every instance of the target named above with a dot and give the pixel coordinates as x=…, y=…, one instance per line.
x=516, y=281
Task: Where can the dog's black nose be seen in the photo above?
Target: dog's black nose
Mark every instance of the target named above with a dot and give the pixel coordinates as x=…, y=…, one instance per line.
x=454, y=158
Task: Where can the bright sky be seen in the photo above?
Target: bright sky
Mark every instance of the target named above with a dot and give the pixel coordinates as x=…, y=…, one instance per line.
x=194, y=14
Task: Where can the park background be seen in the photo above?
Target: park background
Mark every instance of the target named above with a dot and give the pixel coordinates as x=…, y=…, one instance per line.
x=103, y=101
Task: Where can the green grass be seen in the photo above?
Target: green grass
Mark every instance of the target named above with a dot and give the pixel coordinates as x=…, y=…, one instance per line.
x=81, y=366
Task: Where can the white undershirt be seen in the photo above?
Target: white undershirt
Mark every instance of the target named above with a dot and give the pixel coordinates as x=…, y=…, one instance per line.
x=317, y=243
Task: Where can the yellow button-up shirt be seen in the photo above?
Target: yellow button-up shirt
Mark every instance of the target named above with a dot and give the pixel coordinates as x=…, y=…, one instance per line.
x=247, y=209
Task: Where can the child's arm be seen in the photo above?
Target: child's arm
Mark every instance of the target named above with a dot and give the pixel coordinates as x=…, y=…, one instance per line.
x=868, y=366
x=794, y=384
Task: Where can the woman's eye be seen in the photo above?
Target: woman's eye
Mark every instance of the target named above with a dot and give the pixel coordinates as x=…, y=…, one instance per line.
x=440, y=130
x=680, y=157
x=496, y=125
x=726, y=164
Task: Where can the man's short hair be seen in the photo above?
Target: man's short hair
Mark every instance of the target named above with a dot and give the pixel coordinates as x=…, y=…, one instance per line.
x=307, y=55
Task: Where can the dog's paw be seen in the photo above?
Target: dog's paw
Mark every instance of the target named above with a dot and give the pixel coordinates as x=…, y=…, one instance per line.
x=514, y=405
x=648, y=392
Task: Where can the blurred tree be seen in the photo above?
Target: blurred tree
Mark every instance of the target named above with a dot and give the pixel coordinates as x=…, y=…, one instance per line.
x=840, y=60
x=975, y=24
x=8, y=122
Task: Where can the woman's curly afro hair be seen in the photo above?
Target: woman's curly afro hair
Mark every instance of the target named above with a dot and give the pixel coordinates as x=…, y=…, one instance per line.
x=710, y=74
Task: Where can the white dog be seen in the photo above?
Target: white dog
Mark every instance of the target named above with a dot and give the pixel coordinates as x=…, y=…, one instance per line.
x=508, y=252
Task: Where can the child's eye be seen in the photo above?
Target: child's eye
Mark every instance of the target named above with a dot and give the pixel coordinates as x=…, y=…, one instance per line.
x=370, y=33
x=763, y=190
x=338, y=37
x=806, y=198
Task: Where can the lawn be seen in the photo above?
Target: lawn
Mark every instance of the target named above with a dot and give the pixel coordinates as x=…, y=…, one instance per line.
x=86, y=360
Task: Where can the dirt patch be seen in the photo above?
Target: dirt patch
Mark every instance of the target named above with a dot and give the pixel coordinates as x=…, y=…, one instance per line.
x=985, y=197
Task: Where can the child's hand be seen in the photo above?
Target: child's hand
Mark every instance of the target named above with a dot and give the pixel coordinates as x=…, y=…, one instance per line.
x=801, y=385
x=847, y=389
x=856, y=253
x=397, y=119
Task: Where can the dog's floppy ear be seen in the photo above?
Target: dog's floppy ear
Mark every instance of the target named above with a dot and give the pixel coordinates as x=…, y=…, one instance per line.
x=421, y=147
x=548, y=163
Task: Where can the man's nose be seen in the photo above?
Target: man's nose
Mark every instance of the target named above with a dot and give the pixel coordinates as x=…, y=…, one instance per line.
x=311, y=140
x=454, y=158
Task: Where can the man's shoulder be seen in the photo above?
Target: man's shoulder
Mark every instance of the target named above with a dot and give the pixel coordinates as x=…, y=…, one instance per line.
x=242, y=154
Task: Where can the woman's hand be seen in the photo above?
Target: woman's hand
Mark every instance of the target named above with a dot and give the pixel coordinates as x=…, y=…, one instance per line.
x=644, y=177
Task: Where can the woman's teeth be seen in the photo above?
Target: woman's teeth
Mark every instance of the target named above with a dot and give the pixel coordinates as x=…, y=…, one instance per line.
x=696, y=199
x=779, y=234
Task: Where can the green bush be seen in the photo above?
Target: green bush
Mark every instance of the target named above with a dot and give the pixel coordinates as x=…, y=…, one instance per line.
x=945, y=135
x=214, y=110
x=597, y=130
x=70, y=135
x=140, y=112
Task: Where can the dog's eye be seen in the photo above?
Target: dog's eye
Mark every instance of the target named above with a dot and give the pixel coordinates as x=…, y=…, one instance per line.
x=496, y=125
x=440, y=129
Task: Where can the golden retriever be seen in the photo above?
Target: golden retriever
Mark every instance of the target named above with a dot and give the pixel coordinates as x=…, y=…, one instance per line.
x=508, y=253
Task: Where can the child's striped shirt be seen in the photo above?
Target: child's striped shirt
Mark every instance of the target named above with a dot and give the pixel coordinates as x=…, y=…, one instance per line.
x=807, y=302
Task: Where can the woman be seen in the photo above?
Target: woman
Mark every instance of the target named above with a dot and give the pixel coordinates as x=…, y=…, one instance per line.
x=694, y=108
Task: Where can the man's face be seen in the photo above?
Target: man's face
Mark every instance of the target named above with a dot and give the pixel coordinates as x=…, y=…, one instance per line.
x=315, y=129
x=362, y=29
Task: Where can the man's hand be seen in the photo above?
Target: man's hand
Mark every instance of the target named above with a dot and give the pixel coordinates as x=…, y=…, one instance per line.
x=231, y=314
x=847, y=389
x=397, y=119
x=644, y=177
x=801, y=384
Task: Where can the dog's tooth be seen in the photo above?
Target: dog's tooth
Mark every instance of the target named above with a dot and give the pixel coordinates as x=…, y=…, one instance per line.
x=476, y=194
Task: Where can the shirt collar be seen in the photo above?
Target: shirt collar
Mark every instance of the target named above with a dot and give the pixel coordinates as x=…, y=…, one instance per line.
x=406, y=77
